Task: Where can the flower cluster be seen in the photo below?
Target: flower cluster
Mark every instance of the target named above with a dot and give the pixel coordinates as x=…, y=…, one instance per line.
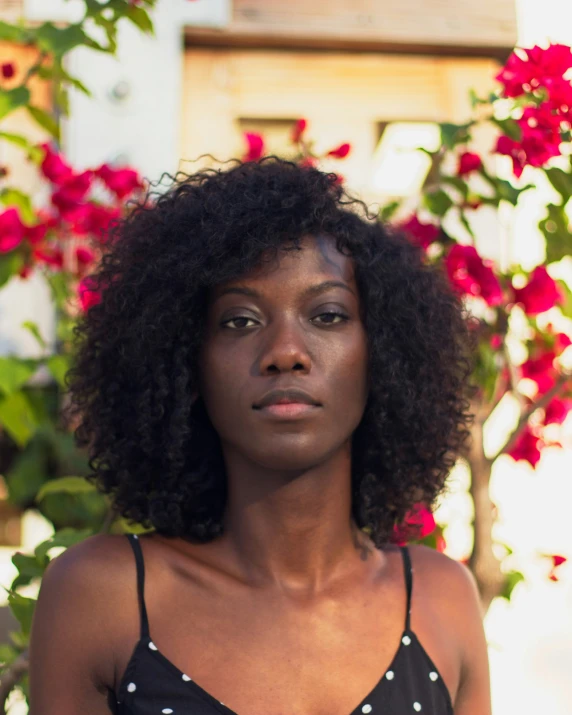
x=539, y=75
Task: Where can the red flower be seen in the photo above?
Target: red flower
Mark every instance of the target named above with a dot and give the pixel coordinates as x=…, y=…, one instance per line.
x=49, y=255
x=472, y=275
x=540, y=293
x=299, y=129
x=255, y=147
x=468, y=162
x=557, y=411
x=53, y=167
x=556, y=561
x=423, y=233
x=527, y=447
x=418, y=523
x=308, y=162
x=8, y=70
x=11, y=230
x=36, y=234
x=94, y=219
x=340, y=152
x=88, y=295
x=71, y=193
x=541, y=370
x=121, y=181
x=496, y=341
x=528, y=73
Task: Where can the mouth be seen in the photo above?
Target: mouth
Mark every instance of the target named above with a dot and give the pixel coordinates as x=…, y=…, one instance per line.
x=287, y=403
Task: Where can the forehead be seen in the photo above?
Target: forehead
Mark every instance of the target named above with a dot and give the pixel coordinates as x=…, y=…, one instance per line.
x=318, y=256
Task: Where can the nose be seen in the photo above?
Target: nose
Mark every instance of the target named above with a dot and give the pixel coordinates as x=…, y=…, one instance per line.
x=284, y=349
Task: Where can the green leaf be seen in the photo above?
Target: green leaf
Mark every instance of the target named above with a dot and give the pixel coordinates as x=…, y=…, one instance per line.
x=561, y=180
x=58, y=41
x=18, y=418
x=68, y=485
x=438, y=202
x=64, y=537
x=23, y=610
x=508, y=127
x=15, y=33
x=15, y=197
x=59, y=366
x=457, y=183
x=15, y=373
x=466, y=224
x=34, y=152
x=10, y=264
x=556, y=230
x=45, y=120
x=35, y=331
x=454, y=134
x=389, y=210
x=140, y=18
x=12, y=99
x=513, y=578
x=29, y=568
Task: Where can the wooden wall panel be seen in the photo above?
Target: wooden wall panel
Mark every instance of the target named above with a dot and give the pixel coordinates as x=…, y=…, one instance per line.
x=459, y=26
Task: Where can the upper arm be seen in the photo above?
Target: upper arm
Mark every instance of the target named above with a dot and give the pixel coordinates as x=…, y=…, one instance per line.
x=71, y=661
x=474, y=694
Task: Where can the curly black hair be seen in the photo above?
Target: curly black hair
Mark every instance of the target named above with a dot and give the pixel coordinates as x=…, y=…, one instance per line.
x=154, y=449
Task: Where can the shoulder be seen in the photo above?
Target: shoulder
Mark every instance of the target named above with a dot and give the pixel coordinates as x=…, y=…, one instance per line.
x=447, y=590
x=80, y=594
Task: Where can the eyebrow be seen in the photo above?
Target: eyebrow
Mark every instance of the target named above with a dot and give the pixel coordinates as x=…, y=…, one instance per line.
x=310, y=291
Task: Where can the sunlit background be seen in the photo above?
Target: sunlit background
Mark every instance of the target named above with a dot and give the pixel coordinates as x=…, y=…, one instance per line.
x=530, y=638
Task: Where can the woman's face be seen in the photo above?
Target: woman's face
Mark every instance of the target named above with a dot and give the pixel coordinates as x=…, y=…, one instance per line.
x=286, y=325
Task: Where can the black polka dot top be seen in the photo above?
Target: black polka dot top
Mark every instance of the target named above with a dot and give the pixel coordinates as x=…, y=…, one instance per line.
x=152, y=685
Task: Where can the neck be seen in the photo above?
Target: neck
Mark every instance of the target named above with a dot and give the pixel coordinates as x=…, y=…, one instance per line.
x=293, y=530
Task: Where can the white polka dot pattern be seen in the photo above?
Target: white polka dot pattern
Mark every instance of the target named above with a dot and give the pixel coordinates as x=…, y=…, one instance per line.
x=433, y=676
x=152, y=645
x=185, y=676
x=366, y=708
x=166, y=711
x=417, y=707
x=135, y=536
x=131, y=687
x=390, y=675
x=406, y=640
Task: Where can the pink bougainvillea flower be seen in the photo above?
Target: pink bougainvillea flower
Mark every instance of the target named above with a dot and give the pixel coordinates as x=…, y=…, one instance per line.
x=36, y=234
x=422, y=233
x=539, y=294
x=299, y=129
x=12, y=230
x=556, y=562
x=308, y=162
x=94, y=219
x=340, y=152
x=85, y=258
x=527, y=447
x=53, y=166
x=8, y=70
x=25, y=271
x=468, y=162
x=418, y=523
x=527, y=70
x=473, y=275
x=496, y=341
x=541, y=370
x=122, y=182
x=557, y=410
x=71, y=193
x=88, y=295
x=255, y=144
x=51, y=256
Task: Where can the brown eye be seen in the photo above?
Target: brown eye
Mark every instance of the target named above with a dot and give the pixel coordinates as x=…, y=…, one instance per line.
x=332, y=315
x=239, y=318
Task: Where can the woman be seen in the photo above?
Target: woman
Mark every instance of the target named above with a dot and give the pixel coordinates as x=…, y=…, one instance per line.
x=269, y=384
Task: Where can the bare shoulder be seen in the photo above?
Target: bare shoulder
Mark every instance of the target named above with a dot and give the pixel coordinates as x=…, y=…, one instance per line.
x=448, y=590
x=75, y=624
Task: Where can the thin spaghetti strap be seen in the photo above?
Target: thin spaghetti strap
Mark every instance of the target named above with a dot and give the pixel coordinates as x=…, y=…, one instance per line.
x=136, y=546
x=408, y=582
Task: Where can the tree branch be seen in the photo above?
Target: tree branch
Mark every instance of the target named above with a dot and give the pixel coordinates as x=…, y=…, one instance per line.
x=542, y=401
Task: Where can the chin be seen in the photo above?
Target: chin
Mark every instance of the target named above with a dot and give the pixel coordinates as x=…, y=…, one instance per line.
x=295, y=456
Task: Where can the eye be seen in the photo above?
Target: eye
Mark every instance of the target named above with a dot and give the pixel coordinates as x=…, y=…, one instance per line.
x=225, y=323
x=333, y=314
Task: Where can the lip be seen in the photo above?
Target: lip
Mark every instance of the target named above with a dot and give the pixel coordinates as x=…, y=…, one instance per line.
x=289, y=410
x=286, y=396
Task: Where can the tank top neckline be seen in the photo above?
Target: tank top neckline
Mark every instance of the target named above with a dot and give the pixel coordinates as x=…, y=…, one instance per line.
x=146, y=644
